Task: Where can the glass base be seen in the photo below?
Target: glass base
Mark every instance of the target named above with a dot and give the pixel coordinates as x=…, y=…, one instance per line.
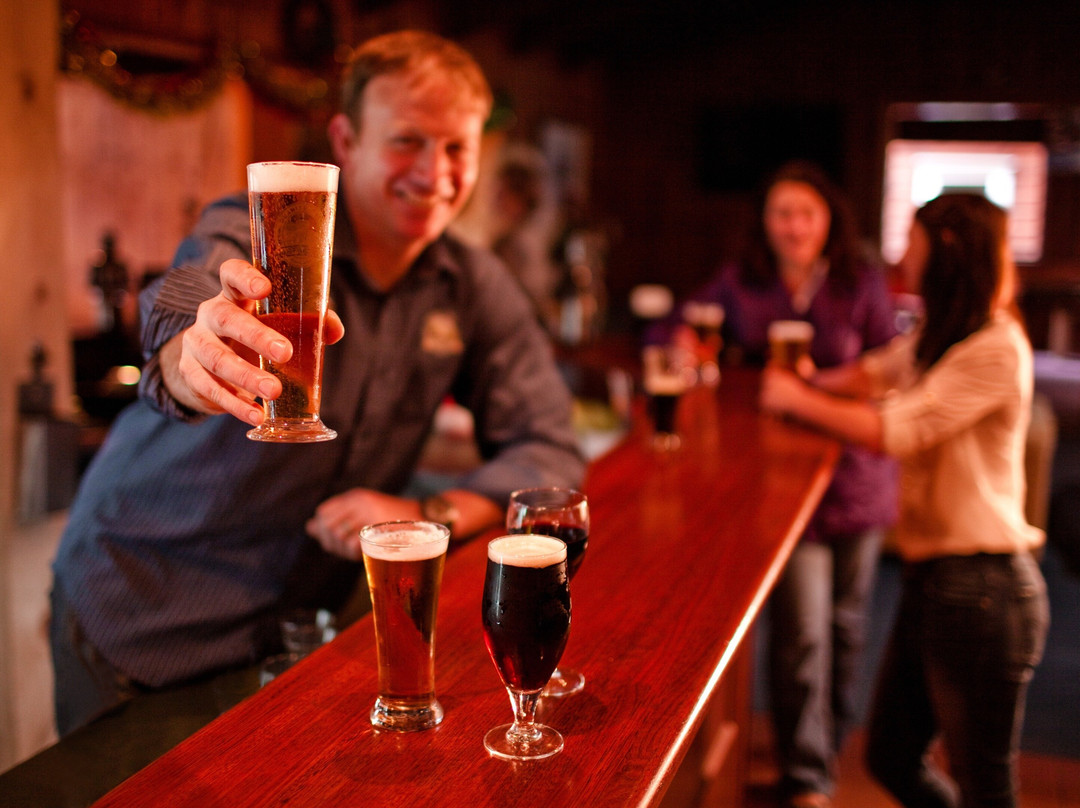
x=292, y=430
x=564, y=683
x=534, y=742
x=407, y=717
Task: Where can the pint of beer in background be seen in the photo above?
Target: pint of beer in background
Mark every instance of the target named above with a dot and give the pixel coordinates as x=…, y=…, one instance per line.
x=404, y=563
x=789, y=341
x=292, y=235
x=666, y=376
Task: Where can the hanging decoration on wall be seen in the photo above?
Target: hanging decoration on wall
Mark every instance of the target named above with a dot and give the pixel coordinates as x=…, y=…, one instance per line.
x=167, y=86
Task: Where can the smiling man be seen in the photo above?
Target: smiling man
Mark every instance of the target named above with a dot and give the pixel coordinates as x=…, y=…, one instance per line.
x=186, y=539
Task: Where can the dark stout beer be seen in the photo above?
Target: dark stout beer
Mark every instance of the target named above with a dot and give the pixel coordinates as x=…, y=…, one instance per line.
x=663, y=391
x=526, y=608
x=576, y=538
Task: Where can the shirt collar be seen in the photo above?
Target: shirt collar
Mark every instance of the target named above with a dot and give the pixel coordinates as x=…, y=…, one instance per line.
x=438, y=257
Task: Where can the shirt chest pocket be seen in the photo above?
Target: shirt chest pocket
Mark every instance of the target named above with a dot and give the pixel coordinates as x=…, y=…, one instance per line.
x=428, y=383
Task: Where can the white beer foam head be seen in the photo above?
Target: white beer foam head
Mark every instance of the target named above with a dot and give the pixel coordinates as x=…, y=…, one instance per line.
x=791, y=330
x=665, y=384
x=706, y=314
x=278, y=177
x=527, y=550
x=404, y=541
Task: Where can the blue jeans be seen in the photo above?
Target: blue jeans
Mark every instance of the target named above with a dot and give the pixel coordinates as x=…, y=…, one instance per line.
x=818, y=619
x=968, y=635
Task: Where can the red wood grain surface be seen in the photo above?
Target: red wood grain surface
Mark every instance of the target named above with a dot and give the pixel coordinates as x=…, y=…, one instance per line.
x=683, y=550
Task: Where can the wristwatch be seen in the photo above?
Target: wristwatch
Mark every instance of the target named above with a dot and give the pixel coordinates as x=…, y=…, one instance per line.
x=439, y=509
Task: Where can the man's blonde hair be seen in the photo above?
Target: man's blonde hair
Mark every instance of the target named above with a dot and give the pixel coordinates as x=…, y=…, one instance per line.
x=411, y=51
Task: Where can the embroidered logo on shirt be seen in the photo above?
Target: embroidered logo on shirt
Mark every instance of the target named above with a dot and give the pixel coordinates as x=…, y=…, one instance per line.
x=441, y=335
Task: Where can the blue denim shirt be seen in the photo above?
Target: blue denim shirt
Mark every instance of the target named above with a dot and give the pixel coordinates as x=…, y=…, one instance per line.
x=186, y=537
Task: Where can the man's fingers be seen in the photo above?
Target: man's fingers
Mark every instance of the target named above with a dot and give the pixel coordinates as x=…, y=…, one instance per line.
x=242, y=282
x=216, y=373
x=218, y=395
x=226, y=320
x=333, y=329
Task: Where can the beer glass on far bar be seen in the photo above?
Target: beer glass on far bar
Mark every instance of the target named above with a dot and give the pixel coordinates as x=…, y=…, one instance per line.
x=564, y=514
x=666, y=377
x=292, y=209
x=404, y=563
x=526, y=616
x=789, y=342
x=706, y=319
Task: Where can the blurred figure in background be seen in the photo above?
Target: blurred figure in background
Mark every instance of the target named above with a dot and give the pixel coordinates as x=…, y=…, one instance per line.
x=524, y=223
x=973, y=614
x=802, y=262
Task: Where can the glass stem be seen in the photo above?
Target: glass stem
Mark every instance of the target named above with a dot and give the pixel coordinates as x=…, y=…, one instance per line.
x=524, y=704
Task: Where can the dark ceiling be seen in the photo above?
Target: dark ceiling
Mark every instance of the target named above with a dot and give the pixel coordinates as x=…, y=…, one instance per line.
x=617, y=32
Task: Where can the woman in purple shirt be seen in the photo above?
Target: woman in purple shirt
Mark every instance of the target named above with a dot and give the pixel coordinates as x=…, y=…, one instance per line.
x=802, y=263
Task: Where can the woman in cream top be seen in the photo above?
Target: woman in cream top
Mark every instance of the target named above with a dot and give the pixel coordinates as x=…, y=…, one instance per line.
x=960, y=430
x=952, y=401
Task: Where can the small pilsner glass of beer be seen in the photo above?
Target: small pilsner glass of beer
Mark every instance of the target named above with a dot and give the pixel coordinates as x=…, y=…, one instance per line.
x=292, y=236
x=564, y=514
x=404, y=564
x=789, y=342
x=526, y=617
x=706, y=319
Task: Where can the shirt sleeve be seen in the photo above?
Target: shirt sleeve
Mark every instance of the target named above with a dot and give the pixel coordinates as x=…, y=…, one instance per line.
x=169, y=304
x=973, y=378
x=890, y=367
x=519, y=400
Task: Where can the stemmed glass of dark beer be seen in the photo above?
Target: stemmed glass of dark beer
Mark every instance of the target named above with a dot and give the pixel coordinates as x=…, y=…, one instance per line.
x=526, y=616
x=564, y=514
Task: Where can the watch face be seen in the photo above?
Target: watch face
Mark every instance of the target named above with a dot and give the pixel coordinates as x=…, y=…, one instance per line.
x=439, y=509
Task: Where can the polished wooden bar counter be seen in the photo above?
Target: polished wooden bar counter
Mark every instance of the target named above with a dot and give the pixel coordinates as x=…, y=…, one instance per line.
x=684, y=548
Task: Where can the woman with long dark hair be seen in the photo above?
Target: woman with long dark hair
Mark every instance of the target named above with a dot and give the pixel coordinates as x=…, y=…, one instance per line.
x=953, y=402
x=802, y=261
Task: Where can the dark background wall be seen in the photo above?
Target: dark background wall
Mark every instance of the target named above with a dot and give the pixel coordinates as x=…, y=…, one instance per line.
x=688, y=102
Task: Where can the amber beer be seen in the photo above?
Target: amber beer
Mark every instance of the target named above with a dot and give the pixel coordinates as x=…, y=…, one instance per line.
x=404, y=564
x=706, y=319
x=292, y=209
x=789, y=342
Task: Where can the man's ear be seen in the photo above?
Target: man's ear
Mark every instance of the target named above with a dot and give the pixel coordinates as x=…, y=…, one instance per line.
x=342, y=136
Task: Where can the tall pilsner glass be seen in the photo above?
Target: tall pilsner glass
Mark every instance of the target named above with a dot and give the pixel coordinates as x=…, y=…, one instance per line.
x=404, y=563
x=564, y=514
x=292, y=209
x=526, y=616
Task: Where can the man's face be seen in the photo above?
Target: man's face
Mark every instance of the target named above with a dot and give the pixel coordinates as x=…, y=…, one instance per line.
x=410, y=168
